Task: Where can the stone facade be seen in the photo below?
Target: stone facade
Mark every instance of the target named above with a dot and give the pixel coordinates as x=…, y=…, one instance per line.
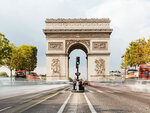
x=55, y=46
x=65, y=35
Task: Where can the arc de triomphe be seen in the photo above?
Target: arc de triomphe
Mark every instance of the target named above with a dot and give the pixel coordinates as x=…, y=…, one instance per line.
x=90, y=35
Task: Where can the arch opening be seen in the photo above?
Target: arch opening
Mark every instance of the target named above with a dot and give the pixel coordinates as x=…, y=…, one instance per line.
x=77, y=46
x=81, y=51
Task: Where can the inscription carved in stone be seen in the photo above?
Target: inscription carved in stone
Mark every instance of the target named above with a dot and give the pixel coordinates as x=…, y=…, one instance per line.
x=77, y=26
x=99, y=45
x=69, y=42
x=100, y=66
x=55, y=45
x=55, y=66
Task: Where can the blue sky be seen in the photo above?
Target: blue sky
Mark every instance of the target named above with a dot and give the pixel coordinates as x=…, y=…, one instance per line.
x=22, y=22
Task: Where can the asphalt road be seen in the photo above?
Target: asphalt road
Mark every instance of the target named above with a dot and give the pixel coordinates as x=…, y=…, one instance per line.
x=93, y=100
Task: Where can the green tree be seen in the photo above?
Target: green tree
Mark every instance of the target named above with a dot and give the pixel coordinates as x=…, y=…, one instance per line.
x=3, y=74
x=9, y=60
x=25, y=58
x=124, y=64
x=140, y=53
x=21, y=58
x=137, y=53
x=70, y=79
x=147, y=51
x=4, y=48
x=17, y=60
x=29, y=54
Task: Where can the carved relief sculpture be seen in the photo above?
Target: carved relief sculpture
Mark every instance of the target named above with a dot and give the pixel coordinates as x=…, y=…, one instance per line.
x=65, y=35
x=55, y=45
x=69, y=42
x=55, y=66
x=99, y=45
x=86, y=42
x=100, y=66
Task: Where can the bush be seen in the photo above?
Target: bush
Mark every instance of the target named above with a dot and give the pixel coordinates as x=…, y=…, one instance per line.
x=3, y=74
x=70, y=79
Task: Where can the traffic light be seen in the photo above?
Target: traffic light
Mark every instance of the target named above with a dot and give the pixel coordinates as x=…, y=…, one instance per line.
x=77, y=60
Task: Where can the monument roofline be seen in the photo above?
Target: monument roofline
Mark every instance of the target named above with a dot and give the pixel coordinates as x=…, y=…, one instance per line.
x=78, y=20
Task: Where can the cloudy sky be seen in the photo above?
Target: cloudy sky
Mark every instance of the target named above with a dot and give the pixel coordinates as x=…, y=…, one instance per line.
x=22, y=22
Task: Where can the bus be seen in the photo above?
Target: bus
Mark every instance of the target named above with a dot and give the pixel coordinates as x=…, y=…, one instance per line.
x=131, y=74
x=25, y=75
x=144, y=72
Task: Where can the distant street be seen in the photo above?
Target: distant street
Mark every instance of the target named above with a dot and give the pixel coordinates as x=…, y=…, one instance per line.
x=100, y=100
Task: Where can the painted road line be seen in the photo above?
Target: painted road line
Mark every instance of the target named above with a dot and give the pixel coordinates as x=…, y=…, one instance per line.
x=100, y=91
x=18, y=94
x=72, y=107
x=90, y=91
x=25, y=101
x=25, y=106
x=5, y=108
x=65, y=103
x=110, y=91
x=90, y=105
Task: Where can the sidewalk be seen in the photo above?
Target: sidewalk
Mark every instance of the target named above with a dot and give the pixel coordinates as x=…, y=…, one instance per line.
x=6, y=92
x=138, y=86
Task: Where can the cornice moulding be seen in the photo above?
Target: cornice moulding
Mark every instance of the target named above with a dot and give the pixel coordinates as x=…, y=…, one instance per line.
x=75, y=30
x=78, y=20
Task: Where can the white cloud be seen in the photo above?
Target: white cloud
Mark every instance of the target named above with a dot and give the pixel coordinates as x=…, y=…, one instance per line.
x=129, y=20
x=40, y=70
x=129, y=16
x=22, y=21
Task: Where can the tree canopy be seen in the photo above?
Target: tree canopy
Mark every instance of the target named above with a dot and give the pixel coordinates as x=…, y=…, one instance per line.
x=4, y=48
x=137, y=53
x=17, y=58
x=3, y=74
x=25, y=58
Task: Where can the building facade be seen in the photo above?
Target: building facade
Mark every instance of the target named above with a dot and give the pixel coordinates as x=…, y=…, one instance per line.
x=65, y=35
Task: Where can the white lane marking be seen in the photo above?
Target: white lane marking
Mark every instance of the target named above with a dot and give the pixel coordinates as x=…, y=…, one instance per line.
x=100, y=91
x=65, y=103
x=5, y=108
x=25, y=101
x=109, y=91
x=90, y=91
x=72, y=108
x=76, y=102
x=89, y=104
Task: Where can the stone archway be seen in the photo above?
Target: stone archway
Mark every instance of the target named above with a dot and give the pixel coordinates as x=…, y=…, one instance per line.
x=80, y=46
x=90, y=35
